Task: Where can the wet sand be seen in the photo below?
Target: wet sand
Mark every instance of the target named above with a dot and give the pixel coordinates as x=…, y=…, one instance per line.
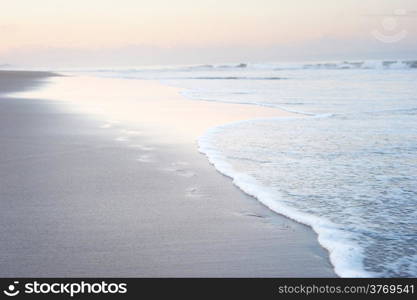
x=127, y=194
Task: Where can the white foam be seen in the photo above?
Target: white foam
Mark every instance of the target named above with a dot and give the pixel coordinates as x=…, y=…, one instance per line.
x=345, y=255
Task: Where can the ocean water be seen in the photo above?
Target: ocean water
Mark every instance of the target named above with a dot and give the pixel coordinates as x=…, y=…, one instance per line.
x=345, y=164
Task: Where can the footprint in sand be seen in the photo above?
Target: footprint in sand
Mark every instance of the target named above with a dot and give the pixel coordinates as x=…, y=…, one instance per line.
x=179, y=164
x=255, y=215
x=193, y=192
x=252, y=214
x=104, y=126
x=131, y=132
x=108, y=124
x=122, y=139
x=185, y=173
x=145, y=158
x=180, y=168
x=142, y=147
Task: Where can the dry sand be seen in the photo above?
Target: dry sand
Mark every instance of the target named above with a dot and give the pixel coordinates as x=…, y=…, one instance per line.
x=83, y=197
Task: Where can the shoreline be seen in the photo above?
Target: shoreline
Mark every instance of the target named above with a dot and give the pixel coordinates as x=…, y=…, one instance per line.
x=20, y=81
x=206, y=227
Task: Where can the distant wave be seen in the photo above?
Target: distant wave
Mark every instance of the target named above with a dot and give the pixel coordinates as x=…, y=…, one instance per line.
x=386, y=64
x=234, y=78
x=341, y=65
x=240, y=66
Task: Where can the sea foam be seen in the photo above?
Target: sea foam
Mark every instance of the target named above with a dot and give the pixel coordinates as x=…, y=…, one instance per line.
x=345, y=255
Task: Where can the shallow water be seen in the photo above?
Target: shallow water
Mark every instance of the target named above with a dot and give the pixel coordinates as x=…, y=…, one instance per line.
x=347, y=167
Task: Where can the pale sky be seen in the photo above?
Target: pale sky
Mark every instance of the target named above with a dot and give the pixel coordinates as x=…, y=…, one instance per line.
x=132, y=32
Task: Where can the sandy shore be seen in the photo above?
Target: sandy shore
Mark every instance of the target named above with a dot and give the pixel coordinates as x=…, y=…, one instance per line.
x=97, y=196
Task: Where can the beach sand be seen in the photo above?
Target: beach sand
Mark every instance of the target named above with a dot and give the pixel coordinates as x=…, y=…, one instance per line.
x=123, y=192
